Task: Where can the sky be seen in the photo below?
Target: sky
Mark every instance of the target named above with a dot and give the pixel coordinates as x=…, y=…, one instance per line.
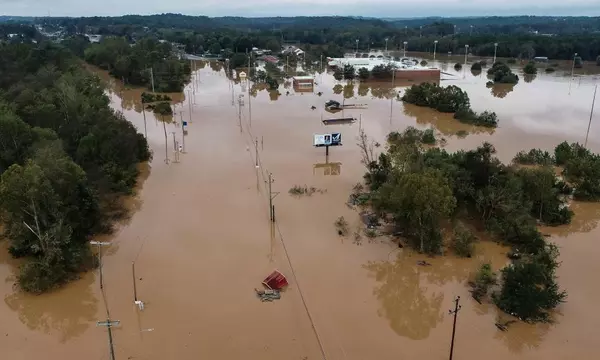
x=254, y=8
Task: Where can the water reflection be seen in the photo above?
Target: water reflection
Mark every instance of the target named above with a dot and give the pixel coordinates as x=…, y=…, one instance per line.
x=329, y=168
x=363, y=89
x=586, y=218
x=256, y=87
x=216, y=66
x=501, y=90
x=411, y=310
x=529, y=77
x=68, y=311
x=349, y=90
x=443, y=122
x=522, y=336
x=274, y=95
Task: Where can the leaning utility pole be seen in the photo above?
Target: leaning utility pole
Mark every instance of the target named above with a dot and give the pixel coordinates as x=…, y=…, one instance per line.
x=455, y=312
x=591, y=115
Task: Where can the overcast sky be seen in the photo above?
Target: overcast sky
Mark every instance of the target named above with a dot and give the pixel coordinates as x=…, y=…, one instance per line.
x=253, y=8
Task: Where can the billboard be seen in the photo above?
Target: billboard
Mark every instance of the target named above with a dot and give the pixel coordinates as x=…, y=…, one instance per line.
x=334, y=139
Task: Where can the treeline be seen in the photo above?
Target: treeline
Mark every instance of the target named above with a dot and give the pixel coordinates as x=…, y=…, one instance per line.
x=581, y=168
x=420, y=189
x=136, y=63
x=557, y=38
x=449, y=99
x=65, y=159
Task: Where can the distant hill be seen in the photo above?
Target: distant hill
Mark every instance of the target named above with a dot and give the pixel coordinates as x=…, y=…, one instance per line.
x=16, y=19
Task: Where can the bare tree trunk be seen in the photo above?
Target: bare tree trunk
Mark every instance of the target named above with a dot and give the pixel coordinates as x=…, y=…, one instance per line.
x=366, y=148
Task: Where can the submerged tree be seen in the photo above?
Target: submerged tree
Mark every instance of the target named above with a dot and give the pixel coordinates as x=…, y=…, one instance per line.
x=529, y=289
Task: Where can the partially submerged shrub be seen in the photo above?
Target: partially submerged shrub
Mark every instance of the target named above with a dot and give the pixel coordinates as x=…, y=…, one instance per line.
x=463, y=239
x=342, y=226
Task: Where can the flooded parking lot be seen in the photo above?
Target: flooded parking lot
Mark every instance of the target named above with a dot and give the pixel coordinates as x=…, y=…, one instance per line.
x=201, y=238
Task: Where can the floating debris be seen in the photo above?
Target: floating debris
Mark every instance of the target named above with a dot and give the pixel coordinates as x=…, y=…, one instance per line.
x=423, y=263
x=268, y=295
x=504, y=326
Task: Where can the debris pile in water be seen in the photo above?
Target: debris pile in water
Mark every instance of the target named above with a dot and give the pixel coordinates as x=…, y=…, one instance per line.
x=268, y=295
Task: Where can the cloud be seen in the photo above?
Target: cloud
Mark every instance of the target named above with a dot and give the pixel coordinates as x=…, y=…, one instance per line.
x=253, y=8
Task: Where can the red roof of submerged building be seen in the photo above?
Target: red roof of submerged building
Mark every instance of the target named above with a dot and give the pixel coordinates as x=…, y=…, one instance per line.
x=271, y=59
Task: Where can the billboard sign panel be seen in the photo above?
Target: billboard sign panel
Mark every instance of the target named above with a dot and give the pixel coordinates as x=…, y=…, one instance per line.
x=334, y=139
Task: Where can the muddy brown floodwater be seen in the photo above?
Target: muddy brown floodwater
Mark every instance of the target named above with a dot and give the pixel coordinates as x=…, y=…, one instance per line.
x=202, y=240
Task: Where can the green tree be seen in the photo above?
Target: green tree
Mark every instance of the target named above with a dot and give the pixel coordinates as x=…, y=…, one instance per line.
x=502, y=74
x=529, y=288
x=484, y=278
x=462, y=241
x=418, y=201
x=349, y=72
x=338, y=74
x=15, y=138
x=530, y=68
x=238, y=60
x=214, y=48
x=364, y=73
x=273, y=84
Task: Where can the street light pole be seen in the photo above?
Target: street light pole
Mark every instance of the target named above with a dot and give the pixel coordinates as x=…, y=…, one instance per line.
x=466, y=53
x=386, y=43
x=573, y=66
x=434, y=46
x=495, y=51
x=405, y=48
x=357, y=46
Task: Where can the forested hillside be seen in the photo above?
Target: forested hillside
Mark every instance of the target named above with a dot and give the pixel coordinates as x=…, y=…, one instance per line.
x=65, y=158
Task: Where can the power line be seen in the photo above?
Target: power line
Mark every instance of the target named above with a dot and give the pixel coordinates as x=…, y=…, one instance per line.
x=289, y=261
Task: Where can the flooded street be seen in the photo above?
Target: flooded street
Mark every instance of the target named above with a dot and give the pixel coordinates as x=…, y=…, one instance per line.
x=201, y=238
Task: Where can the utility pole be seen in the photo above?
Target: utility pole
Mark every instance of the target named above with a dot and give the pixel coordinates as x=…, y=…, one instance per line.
x=190, y=105
x=145, y=126
x=455, y=312
x=256, y=152
x=174, y=144
x=100, y=244
x=271, y=197
x=591, y=115
x=109, y=324
x=182, y=129
x=166, y=141
x=134, y=287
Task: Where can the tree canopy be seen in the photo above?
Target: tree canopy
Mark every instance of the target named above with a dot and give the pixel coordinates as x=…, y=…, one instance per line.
x=136, y=64
x=65, y=155
x=421, y=187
